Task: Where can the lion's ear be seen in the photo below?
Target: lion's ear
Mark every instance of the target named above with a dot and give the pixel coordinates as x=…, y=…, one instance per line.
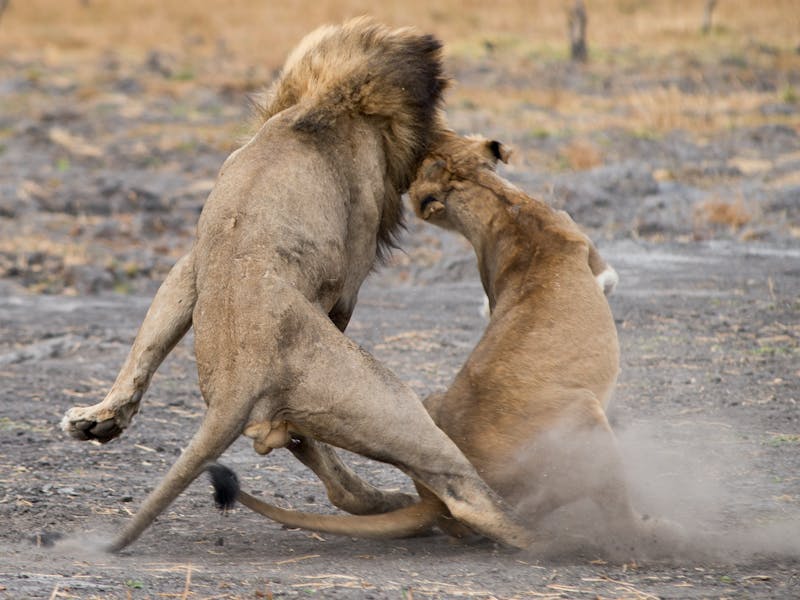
x=498, y=150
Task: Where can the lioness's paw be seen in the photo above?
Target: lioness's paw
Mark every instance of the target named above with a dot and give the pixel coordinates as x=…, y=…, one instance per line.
x=99, y=422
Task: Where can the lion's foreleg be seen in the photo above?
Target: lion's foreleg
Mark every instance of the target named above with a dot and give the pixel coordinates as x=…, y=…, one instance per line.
x=166, y=322
x=345, y=489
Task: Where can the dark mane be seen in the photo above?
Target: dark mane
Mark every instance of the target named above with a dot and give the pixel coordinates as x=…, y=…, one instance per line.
x=393, y=76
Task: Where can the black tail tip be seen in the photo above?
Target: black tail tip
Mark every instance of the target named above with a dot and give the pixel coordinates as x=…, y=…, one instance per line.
x=226, y=485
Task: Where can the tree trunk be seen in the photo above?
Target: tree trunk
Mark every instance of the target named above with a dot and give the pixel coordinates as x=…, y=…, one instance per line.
x=577, y=32
x=708, y=13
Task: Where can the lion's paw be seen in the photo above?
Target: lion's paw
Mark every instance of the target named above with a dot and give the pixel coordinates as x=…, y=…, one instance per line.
x=100, y=422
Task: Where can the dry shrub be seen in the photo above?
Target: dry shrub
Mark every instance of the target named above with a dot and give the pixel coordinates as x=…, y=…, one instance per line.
x=581, y=155
x=667, y=108
x=720, y=212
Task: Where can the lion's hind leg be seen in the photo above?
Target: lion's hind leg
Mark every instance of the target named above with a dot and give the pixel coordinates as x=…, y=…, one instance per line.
x=351, y=400
x=166, y=322
x=220, y=427
x=345, y=489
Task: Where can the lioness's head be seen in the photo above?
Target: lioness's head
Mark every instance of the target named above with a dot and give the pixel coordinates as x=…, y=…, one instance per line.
x=456, y=188
x=453, y=161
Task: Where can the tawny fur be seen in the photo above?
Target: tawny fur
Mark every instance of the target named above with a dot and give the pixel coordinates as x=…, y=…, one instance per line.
x=295, y=222
x=528, y=407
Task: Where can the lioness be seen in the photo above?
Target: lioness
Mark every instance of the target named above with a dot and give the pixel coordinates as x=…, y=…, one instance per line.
x=288, y=234
x=528, y=407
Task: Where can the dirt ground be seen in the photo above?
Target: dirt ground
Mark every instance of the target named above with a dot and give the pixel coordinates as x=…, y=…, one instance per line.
x=706, y=409
x=684, y=168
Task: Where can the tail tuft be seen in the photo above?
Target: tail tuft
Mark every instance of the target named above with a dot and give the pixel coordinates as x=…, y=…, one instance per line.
x=226, y=485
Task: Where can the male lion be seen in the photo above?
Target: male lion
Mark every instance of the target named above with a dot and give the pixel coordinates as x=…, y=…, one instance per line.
x=528, y=407
x=286, y=238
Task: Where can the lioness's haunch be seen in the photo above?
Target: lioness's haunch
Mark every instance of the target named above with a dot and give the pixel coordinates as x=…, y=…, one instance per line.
x=294, y=224
x=528, y=407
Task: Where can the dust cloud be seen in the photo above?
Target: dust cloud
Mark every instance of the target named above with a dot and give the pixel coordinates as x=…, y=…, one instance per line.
x=714, y=482
x=90, y=546
x=698, y=488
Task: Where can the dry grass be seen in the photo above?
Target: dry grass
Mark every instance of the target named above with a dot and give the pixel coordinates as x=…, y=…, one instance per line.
x=262, y=32
x=237, y=45
x=648, y=112
x=733, y=214
x=580, y=155
x=26, y=243
x=240, y=43
x=663, y=109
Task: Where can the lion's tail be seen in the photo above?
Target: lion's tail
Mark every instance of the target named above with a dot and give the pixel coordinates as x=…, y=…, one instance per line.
x=404, y=522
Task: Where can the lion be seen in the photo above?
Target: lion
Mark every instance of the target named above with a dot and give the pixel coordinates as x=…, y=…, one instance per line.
x=528, y=406
x=297, y=219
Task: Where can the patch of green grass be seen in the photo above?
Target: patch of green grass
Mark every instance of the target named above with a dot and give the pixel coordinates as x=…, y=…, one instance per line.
x=123, y=287
x=721, y=30
x=34, y=74
x=187, y=146
x=768, y=350
x=184, y=74
x=131, y=269
x=8, y=424
x=560, y=163
x=789, y=94
x=645, y=133
x=151, y=162
x=63, y=165
x=539, y=133
x=783, y=439
x=134, y=584
x=549, y=53
x=180, y=110
x=504, y=46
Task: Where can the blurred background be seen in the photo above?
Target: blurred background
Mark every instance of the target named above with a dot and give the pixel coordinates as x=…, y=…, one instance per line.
x=680, y=123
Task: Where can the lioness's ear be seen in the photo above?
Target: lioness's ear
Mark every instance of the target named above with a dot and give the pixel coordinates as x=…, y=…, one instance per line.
x=429, y=207
x=435, y=170
x=498, y=150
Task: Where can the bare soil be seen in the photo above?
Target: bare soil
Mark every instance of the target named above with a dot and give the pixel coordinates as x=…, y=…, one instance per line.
x=101, y=182
x=710, y=371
